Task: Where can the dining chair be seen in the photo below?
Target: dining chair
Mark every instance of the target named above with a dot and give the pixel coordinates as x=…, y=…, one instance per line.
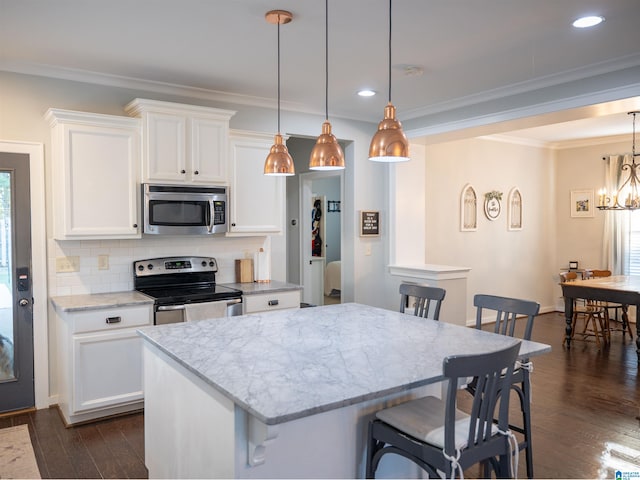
x=426, y=300
x=596, y=316
x=621, y=316
x=441, y=439
x=506, y=311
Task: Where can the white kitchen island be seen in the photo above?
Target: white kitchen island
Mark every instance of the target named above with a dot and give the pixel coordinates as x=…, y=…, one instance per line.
x=289, y=393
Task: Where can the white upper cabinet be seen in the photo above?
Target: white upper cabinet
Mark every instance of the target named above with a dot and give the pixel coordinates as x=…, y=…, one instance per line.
x=95, y=170
x=182, y=143
x=257, y=201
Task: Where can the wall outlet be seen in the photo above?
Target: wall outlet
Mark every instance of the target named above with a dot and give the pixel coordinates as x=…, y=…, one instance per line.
x=67, y=264
x=103, y=262
x=367, y=249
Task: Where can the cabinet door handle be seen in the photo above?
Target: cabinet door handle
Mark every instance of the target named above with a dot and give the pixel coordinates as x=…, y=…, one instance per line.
x=114, y=319
x=196, y=172
x=135, y=225
x=183, y=171
x=273, y=303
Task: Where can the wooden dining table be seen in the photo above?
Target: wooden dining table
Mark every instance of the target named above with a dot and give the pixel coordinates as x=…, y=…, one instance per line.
x=623, y=289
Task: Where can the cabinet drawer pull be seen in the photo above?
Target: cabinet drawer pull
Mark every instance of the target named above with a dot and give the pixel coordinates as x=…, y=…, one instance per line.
x=273, y=303
x=114, y=319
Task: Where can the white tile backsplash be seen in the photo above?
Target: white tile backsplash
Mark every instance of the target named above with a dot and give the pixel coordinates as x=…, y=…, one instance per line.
x=122, y=254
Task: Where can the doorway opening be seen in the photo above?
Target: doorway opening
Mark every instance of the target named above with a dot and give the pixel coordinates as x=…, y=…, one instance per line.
x=320, y=247
x=314, y=227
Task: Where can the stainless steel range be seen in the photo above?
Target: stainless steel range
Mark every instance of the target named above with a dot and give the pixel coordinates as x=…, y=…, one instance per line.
x=184, y=285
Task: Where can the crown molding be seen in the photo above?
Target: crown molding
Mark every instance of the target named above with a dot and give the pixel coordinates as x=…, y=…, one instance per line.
x=563, y=145
x=108, y=80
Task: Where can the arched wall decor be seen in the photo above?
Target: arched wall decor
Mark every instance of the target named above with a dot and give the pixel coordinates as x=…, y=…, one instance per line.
x=515, y=209
x=468, y=209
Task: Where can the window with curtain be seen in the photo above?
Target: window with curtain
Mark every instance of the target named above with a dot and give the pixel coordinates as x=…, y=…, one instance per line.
x=634, y=243
x=621, y=228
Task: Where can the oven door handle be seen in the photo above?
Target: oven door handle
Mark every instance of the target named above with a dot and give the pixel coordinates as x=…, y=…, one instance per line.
x=166, y=308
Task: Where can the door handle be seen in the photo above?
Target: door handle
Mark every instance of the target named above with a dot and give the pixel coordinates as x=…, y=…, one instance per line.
x=23, y=302
x=166, y=308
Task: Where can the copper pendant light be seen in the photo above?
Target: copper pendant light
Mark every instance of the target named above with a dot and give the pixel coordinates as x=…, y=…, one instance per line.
x=327, y=153
x=279, y=161
x=389, y=144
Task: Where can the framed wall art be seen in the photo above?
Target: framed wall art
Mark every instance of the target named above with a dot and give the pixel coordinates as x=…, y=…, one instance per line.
x=468, y=209
x=492, y=204
x=514, y=204
x=369, y=223
x=581, y=203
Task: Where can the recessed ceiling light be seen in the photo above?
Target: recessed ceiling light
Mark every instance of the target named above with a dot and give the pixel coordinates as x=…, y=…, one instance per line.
x=586, y=22
x=366, y=92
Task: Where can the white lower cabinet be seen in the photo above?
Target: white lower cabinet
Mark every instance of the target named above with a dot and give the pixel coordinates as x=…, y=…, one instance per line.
x=100, y=362
x=107, y=369
x=264, y=302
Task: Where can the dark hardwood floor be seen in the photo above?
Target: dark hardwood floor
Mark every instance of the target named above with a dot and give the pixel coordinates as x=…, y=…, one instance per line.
x=112, y=448
x=585, y=404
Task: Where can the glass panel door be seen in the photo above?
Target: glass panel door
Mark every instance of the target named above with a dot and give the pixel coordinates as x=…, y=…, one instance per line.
x=7, y=337
x=16, y=295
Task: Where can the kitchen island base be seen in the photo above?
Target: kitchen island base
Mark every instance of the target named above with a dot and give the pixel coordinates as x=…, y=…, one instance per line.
x=194, y=431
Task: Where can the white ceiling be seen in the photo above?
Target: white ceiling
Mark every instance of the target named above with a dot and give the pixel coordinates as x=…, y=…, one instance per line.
x=469, y=51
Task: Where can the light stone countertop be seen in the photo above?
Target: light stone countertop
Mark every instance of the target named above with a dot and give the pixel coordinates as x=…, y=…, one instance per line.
x=252, y=288
x=72, y=303
x=288, y=364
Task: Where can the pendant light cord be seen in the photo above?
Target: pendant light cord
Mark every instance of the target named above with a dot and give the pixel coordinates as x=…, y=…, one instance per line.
x=326, y=60
x=389, y=51
x=278, y=74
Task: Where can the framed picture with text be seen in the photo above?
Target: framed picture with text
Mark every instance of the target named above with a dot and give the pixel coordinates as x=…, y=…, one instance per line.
x=369, y=223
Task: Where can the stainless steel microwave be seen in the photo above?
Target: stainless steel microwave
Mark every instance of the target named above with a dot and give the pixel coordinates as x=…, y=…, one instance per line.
x=184, y=210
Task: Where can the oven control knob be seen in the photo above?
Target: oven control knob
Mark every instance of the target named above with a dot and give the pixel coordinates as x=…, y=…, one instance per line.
x=140, y=267
x=150, y=266
x=211, y=263
x=204, y=264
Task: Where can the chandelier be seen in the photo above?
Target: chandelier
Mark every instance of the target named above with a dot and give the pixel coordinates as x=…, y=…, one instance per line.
x=627, y=197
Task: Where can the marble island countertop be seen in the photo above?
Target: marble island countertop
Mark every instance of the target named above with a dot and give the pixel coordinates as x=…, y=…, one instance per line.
x=288, y=364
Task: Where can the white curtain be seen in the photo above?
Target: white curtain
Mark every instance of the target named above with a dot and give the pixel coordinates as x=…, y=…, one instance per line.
x=615, y=245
